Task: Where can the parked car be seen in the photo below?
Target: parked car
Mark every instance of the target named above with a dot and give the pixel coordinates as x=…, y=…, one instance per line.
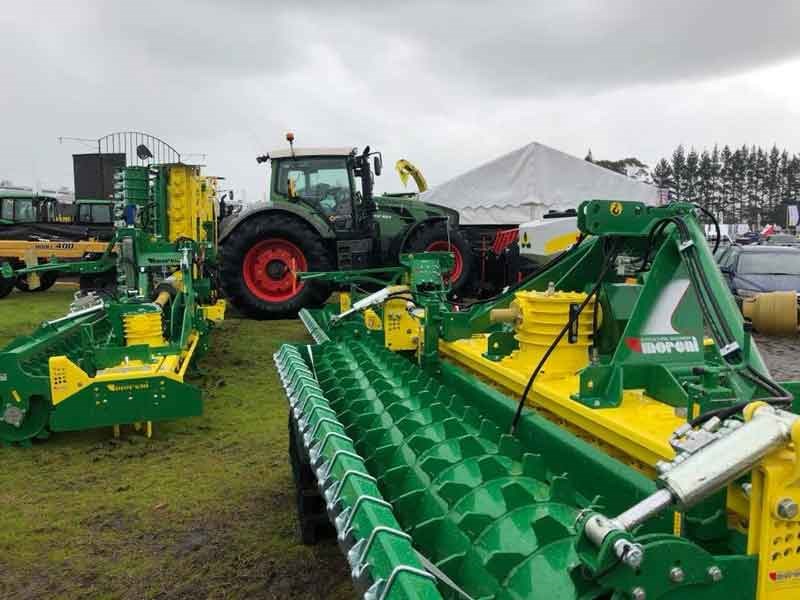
x=749, y=237
x=755, y=269
x=781, y=239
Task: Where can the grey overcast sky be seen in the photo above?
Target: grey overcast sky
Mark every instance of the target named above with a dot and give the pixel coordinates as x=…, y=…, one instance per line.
x=447, y=85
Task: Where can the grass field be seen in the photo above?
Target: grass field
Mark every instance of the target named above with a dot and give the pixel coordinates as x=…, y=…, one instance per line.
x=204, y=509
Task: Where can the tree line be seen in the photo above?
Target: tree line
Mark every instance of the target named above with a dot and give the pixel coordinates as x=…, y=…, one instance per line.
x=745, y=185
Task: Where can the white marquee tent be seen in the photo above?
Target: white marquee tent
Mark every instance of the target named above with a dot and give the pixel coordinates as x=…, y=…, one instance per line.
x=528, y=182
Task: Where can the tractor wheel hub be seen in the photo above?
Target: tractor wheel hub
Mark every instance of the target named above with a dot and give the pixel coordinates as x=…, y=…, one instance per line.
x=276, y=269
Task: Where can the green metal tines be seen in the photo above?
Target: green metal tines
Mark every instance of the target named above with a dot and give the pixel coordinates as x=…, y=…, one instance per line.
x=381, y=556
x=311, y=325
x=486, y=513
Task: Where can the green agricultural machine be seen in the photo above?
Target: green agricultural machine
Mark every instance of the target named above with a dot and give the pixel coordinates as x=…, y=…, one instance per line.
x=318, y=219
x=34, y=230
x=120, y=355
x=606, y=429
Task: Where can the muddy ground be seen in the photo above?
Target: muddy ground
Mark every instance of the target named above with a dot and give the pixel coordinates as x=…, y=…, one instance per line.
x=782, y=356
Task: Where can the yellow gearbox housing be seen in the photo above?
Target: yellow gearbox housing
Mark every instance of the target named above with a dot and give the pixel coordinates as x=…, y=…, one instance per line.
x=540, y=317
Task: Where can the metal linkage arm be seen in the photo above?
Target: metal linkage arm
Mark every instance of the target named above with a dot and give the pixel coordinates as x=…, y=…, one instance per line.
x=693, y=477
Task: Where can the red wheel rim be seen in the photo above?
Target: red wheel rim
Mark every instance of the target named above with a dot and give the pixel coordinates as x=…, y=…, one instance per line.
x=445, y=246
x=269, y=269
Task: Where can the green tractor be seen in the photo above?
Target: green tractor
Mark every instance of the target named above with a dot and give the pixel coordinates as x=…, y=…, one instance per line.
x=319, y=218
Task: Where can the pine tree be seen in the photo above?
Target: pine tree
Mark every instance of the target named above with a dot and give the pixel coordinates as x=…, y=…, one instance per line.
x=705, y=176
x=748, y=185
x=662, y=175
x=756, y=174
x=716, y=187
x=679, y=170
x=588, y=157
x=691, y=175
x=772, y=185
x=783, y=178
x=726, y=184
x=793, y=180
x=739, y=183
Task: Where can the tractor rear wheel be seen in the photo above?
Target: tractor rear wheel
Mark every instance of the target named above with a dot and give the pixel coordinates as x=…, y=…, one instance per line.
x=259, y=262
x=433, y=237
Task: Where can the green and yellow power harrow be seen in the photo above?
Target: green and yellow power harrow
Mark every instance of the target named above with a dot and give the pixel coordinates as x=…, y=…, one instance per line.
x=607, y=429
x=120, y=355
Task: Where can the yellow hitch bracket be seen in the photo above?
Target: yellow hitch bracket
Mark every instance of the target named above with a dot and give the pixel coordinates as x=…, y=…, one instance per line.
x=214, y=312
x=345, y=301
x=401, y=330
x=372, y=321
x=774, y=532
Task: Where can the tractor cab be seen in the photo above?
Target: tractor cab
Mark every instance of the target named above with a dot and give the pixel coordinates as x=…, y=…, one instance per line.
x=93, y=212
x=323, y=180
x=27, y=207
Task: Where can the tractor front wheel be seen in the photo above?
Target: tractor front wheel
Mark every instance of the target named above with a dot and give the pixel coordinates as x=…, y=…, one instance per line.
x=260, y=261
x=433, y=237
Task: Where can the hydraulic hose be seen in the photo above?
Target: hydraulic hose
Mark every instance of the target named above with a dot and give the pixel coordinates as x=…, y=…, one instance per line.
x=708, y=213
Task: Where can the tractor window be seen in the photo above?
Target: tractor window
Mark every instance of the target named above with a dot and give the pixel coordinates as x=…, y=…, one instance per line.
x=323, y=182
x=101, y=213
x=8, y=209
x=49, y=212
x=25, y=212
x=84, y=213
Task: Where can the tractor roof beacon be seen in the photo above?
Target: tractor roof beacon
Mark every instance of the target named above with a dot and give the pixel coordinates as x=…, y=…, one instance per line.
x=319, y=218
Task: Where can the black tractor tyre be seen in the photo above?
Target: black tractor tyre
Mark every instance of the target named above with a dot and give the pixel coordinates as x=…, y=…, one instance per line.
x=434, y=236
x=6, y=286
x=250, y=289
x=312, y=517
x=46, y=281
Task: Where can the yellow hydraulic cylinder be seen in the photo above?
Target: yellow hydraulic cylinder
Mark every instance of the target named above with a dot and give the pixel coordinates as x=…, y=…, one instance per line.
x=539, y=318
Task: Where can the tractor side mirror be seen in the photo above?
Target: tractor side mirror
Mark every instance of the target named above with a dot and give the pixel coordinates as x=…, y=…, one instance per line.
x=378, y=165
